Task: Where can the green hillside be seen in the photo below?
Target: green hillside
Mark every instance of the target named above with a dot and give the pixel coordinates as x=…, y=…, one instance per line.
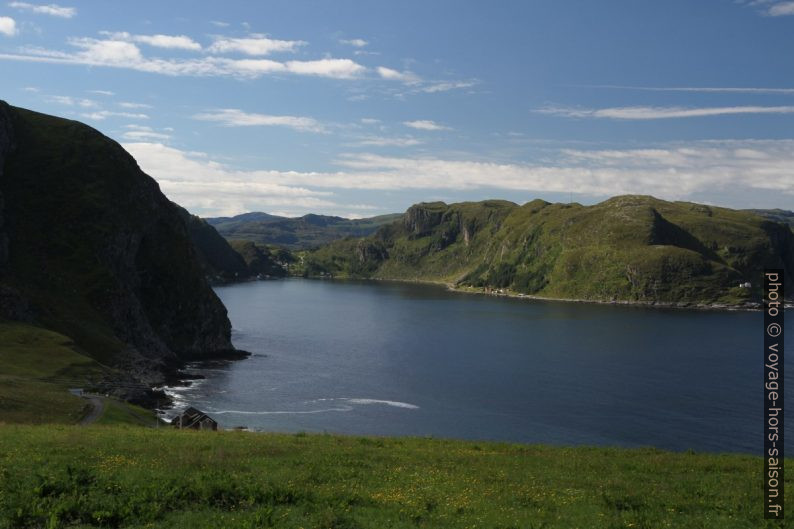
x=309, y=231
x=627, y=248
x=39, y=368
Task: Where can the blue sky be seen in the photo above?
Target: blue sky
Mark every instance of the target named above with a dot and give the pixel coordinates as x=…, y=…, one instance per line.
x=362, y=108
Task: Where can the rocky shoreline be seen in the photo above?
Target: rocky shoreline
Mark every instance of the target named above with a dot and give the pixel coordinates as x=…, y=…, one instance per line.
x=748, y=306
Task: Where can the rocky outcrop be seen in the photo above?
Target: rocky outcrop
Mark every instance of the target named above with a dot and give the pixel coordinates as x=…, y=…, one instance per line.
x=98, y=252
x=421, y=218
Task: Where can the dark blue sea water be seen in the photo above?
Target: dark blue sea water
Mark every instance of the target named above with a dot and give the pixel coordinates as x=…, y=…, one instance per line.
x=384, y=358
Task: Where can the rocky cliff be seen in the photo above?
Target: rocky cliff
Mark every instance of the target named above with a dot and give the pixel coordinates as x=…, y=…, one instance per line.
x=220, y=262
x=95, y=251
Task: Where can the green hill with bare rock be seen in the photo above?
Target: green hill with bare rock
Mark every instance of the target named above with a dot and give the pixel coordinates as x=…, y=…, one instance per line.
x=628, y=248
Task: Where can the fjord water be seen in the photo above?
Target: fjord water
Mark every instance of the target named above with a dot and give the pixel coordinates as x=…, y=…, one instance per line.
x=386, y=358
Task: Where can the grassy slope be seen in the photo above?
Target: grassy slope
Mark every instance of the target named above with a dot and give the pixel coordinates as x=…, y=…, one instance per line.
x=38, y=367
x=633, y=248
x=119, y=412
x=135, y=477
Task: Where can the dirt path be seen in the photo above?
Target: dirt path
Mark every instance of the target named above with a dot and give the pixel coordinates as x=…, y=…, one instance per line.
x=97, y=407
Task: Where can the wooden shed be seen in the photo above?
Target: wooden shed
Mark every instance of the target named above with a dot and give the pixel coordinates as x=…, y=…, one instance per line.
x=195, y=419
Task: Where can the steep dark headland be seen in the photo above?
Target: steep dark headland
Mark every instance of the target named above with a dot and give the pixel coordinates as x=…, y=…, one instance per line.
x=91, y=248
x=627, y=248
x=224, y=261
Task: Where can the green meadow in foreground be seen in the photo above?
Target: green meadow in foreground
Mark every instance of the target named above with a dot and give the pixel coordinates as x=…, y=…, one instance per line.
x=122, y=476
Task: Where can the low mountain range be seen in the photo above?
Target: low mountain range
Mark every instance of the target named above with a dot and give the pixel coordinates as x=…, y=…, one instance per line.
x=778, y=215
x=299, y=233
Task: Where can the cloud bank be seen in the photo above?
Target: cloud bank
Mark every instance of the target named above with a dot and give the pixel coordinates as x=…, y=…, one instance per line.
x=739, y=168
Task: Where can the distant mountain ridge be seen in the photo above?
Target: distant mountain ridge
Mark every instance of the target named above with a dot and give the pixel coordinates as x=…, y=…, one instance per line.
x=777, y=215
x=298, y=233
x=628, y=248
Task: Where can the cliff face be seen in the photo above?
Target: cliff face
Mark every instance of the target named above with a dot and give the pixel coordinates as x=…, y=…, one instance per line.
x=6, y=146
x=97, y=251
x=220, y=262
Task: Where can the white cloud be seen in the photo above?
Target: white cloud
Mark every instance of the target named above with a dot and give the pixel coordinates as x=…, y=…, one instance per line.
x=425, y=124
x=178, y=42
x=50, y=9
x=358, y=43
x=416, y=85
x=127, y=104
x=220, y=24
x=232, y=117
x=8, y=26
x=737, y=168
x=642, y=113
x=71, y=101
x=369, y=121
x=703, y=89
x=111, y=52
x=671, y=172
x=102, y=92
x=674, y=172
x=781, y=9
x=258, y=45
x=202, y=185
x=378, y=141
x=336, y=68
x=124, y=54
x=445, y=86
x=394, y=75
x=145, y=135
x=103, y=114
